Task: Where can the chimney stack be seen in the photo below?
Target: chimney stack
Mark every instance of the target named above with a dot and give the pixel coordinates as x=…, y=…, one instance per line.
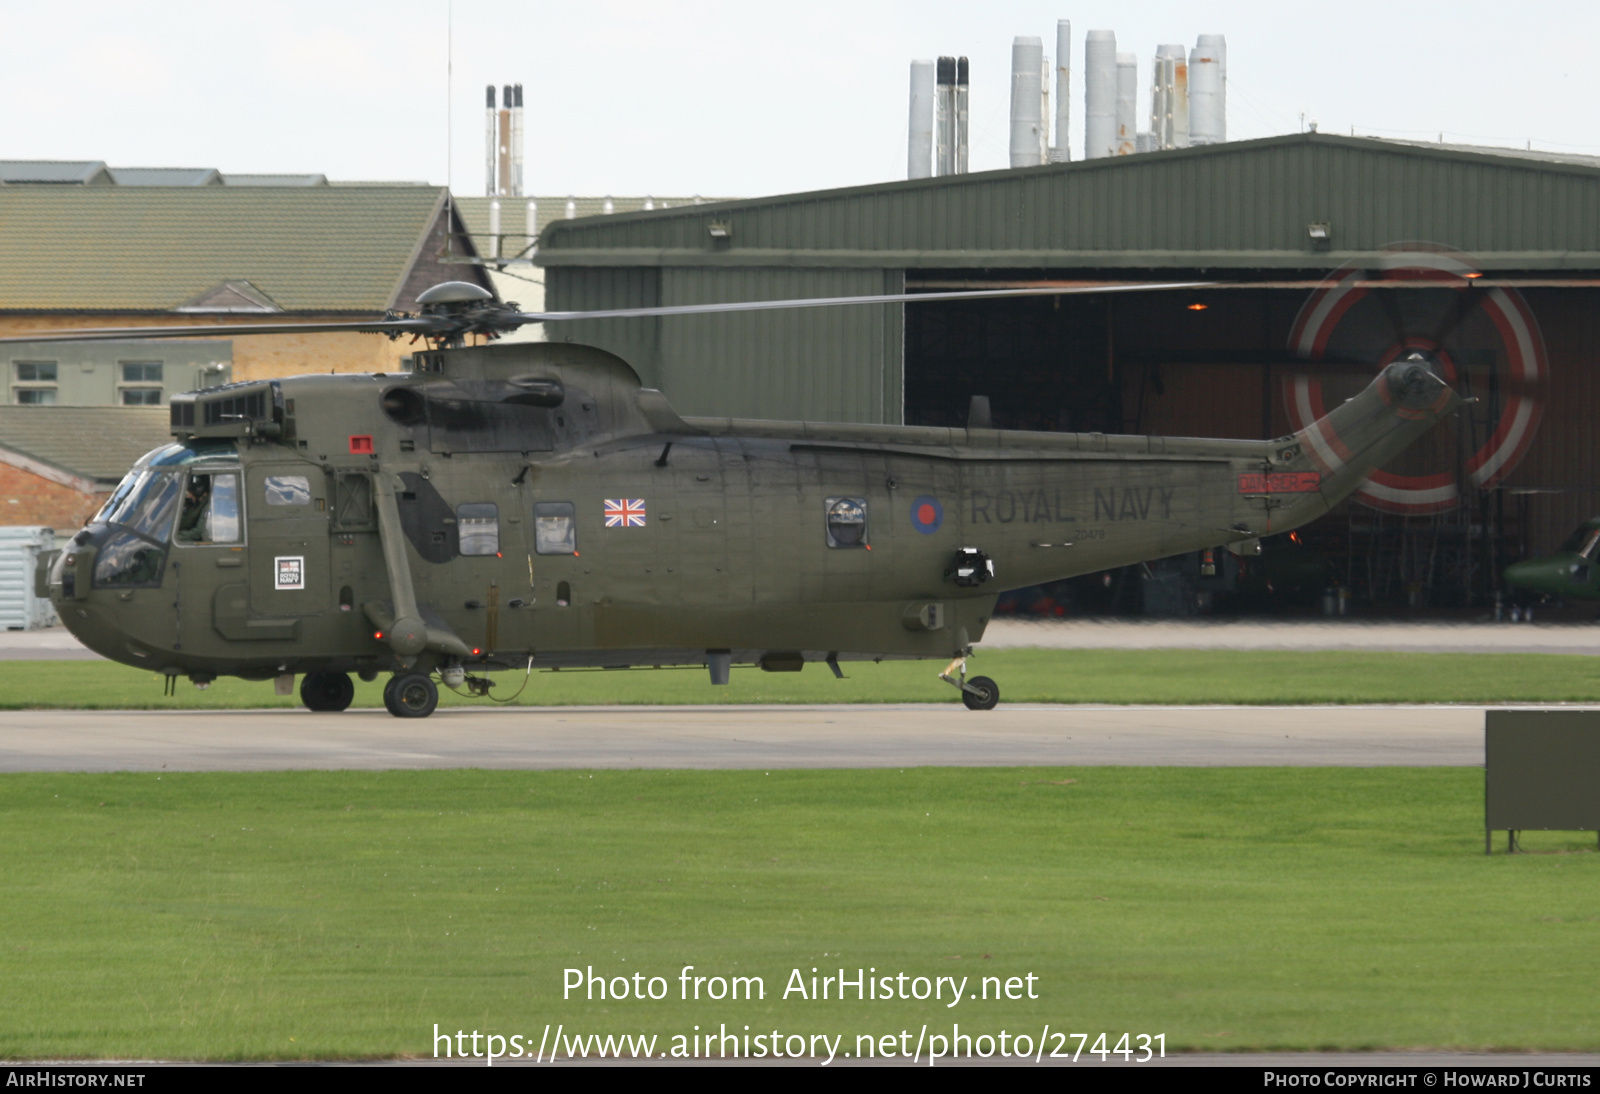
x=1061, y=150
x=944, y=118
x=961, y=115
x=503, y=137
x=489, y=185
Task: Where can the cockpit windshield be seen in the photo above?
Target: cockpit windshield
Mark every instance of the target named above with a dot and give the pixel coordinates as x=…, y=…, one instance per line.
x=1583, y=543
x=148, y=504
x=145, y=497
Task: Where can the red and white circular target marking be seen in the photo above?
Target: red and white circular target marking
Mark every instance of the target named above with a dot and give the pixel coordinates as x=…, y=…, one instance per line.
x=1316, y=328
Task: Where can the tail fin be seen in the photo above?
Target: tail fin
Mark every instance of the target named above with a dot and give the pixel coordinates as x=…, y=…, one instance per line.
x=1402, y=403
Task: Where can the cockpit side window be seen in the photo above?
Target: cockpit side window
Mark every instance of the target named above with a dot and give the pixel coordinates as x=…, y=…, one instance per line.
x=210, y=509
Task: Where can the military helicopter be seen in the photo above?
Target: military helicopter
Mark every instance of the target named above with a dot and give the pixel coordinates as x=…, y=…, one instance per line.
x=533, y=505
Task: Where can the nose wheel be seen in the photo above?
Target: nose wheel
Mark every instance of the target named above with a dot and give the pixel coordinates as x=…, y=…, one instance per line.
x=410, y=695
x=978, y=693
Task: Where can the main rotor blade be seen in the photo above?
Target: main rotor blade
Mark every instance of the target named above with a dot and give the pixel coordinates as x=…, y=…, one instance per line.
x=109, y=334
x=839, y=301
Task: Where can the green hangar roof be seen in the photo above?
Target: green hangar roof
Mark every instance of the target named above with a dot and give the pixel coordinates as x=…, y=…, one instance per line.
x=1243, y=205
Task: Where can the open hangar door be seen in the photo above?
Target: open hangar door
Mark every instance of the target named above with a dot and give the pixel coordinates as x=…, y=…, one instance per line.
x=1256, y=355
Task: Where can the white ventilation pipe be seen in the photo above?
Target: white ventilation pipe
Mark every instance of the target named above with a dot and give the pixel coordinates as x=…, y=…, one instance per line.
x=1169, y=97
x=919, y=141
x=494, y=228
x=1208, y=90
x=1127, y=103
x=1027, y=65
x=1099, y=94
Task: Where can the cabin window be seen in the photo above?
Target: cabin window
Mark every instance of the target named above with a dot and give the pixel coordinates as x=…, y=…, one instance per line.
x=555, y=528
x=479, y=527
x=288, y=490
x=210, y=511
x=846, y=521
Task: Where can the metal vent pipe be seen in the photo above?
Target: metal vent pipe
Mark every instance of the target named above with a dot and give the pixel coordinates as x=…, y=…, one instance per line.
x=1127, y=103
x=944, y=117
x=961, y=115
x=1208, y=90
x=503, y=143
x=488, y=143
x=516, y=141
x=1169, y=98
x=1099, y=94
x=919, y=143
x=1027, y=65
x=1061, y=150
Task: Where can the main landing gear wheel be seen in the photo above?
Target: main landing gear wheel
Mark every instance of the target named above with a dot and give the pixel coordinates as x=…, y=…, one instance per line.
x=981, y=693
x=411, y=695
x=327, y=691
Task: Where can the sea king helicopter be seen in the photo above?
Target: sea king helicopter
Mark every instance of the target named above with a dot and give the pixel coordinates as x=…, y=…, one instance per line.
x=533, y=505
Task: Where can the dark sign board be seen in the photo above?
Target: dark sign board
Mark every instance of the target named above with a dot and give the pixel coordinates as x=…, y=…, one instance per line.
x=1541, y=770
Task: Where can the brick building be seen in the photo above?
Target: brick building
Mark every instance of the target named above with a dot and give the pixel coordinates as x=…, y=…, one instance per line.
x=58, y=464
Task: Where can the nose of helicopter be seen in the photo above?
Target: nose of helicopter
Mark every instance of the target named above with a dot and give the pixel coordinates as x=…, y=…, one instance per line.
x=1556, y=576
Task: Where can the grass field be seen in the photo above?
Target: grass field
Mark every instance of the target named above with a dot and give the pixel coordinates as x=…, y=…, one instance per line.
x=1024, y=675
x=342, y=914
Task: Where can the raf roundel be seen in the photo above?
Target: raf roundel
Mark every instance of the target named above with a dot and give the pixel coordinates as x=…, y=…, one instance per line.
x=927, y=514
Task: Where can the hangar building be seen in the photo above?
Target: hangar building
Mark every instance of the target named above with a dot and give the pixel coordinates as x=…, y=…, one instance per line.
x=1320, y=257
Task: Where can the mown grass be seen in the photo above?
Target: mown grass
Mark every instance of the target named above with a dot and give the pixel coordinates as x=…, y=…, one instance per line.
x=343, y=914
x=1024, y=675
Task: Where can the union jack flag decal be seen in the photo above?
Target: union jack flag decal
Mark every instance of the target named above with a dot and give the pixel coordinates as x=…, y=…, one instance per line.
x=624, y=512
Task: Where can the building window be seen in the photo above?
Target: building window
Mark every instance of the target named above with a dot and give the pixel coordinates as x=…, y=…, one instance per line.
x=35, y=383
x=141, y=383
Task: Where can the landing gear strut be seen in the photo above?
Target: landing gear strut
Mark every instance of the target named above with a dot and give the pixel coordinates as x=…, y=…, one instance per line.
x=410, y=695
x=326, y=691
x=979, y=693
